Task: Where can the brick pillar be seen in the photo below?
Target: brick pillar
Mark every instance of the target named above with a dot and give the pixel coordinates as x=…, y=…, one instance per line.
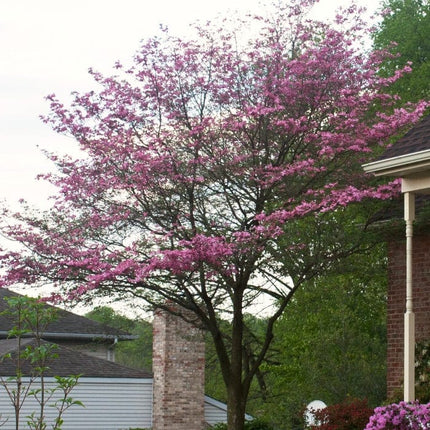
x=396, y=303
x=178, y=364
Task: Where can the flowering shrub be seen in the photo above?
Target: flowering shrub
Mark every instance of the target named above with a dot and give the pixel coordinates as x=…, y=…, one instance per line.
x=352, y=414
x=400, y=416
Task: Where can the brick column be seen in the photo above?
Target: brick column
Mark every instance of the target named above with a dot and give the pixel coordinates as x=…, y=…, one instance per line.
x=178, y=366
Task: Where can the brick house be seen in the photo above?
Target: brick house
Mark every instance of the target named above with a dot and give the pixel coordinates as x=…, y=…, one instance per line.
x=408, y=307
x=117, y=397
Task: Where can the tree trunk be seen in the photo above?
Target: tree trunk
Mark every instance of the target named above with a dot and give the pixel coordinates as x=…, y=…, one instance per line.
x=236, y=399
x=235, y=408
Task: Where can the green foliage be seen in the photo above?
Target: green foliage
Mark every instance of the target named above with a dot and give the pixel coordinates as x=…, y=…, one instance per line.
x=214, y=384
x=351, y=414
x=408, y=24
x=422, y=371
x=331, y=341
x=254, y=332
x=107, y=315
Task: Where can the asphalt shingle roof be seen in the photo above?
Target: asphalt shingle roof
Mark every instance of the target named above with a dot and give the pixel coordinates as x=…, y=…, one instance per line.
x=415, y=140
x=67, y=324
x=68, y=362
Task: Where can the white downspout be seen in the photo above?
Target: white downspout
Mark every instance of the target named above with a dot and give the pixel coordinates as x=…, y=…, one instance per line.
x=409, y=341
x=111, y=350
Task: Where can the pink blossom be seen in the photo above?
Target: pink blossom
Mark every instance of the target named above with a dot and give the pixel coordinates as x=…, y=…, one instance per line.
x=400, y=416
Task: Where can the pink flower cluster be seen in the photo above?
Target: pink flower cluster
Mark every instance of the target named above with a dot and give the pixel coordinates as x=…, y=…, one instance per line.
x=400, y=416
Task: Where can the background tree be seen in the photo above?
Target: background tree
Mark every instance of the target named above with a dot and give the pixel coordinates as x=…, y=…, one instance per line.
x=331, y=341
x=209, y=171
x=407, y=23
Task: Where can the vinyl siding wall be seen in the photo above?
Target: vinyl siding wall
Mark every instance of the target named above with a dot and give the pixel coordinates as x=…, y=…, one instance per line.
x=110, y=404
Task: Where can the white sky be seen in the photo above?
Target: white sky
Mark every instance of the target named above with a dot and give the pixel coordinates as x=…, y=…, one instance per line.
x=47, y=47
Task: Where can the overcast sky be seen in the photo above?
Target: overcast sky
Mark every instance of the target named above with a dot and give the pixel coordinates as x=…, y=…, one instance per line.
x=47, y=47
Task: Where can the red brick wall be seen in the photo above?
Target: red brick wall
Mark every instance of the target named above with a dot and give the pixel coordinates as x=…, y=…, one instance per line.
x=396, y=303
x=178, y=364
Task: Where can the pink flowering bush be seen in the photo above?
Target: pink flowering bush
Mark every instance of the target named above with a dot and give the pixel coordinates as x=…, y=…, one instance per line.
x=400, y=416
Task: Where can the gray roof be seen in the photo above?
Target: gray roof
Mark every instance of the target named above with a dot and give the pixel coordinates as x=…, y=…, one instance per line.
x=66, y=326
x=417, y=139
x=68, y=362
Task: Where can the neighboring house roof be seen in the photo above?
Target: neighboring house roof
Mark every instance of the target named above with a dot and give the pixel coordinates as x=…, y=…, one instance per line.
x=66, y=326
x=417, y=139
x=222, y=406
x=67, y=362
x=409, y=155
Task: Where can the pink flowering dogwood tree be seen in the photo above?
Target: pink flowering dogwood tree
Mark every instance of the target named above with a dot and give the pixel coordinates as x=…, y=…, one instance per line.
x=199, y=164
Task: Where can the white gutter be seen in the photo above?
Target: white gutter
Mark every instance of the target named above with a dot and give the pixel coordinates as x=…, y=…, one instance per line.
x=403, y=164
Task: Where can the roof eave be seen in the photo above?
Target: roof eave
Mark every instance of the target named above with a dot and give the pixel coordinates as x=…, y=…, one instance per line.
x=402, y=165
